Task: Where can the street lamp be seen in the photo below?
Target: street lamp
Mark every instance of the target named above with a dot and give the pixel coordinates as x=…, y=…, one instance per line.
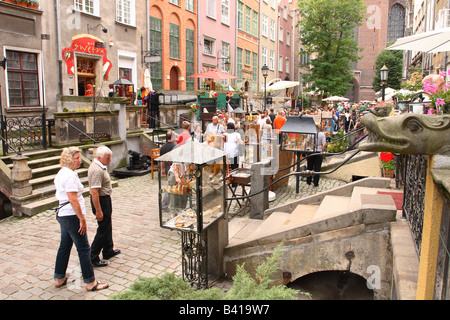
x=265, y=73
x=384, y=77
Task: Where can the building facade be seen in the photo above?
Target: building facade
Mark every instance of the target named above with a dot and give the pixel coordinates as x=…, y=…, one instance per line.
x=385, y=21
x=217, y=37
x=269, y=39
x=284, y=58
x=173, y=30
x=247, y=45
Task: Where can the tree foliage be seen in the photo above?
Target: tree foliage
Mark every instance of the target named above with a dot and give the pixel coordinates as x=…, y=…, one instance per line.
x=393, y=59
x=327, y=32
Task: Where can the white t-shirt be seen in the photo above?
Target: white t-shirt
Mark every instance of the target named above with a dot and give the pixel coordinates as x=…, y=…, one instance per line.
x=231, y=147
x=214, y=129
x=65, y=181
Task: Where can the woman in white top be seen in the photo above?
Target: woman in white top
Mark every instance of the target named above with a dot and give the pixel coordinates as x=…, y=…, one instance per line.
x=231, y=145
x=71, y=217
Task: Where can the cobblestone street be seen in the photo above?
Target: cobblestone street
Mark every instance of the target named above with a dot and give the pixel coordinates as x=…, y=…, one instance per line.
x=28, y=246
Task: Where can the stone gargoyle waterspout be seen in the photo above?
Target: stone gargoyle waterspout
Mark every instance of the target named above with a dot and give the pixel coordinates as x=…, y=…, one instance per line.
x=408, y=133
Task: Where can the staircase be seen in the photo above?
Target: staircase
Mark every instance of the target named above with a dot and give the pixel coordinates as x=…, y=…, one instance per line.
x=44, y=165
x=336, y=211
x=347, y=229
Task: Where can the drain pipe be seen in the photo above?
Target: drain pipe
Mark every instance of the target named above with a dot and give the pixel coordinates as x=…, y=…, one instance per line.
x=58, y=39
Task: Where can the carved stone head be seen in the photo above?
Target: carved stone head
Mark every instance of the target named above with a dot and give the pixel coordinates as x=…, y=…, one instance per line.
x=408, y=133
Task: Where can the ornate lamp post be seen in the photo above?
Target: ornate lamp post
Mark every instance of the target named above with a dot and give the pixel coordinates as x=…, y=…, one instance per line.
x=265, y=72
x=384, y=77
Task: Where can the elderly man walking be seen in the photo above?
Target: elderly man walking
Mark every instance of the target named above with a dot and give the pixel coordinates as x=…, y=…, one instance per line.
x=100, y=190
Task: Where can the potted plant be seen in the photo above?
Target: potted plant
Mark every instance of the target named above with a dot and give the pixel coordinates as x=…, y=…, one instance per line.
x=388, y=164
x=33, y=4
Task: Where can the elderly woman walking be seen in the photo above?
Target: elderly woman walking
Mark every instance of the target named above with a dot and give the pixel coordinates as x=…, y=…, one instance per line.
x=71, y=217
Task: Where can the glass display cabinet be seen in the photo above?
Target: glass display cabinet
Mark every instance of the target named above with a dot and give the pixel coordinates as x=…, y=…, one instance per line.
x=299, y=134
x=192, y=187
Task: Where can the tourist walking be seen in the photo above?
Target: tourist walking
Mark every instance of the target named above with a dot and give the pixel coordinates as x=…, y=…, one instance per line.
x=71, y=217
x=185, y=135
x=314, y=162
x=214, y=127
x=100, y=190
x=232, y=139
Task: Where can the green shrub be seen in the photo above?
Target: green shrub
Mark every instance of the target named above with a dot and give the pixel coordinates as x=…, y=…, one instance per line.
x=169, y=287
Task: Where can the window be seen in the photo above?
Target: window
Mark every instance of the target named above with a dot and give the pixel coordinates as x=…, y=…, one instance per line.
x=255, y=23
x=264, y=24
x=263, y=56
x=248, y=19
x=254, y=68
x=155, y=48
x=23, y=79
x=225, y=17
x=280, y=63
x=208, y=47
x=288, y=65
x=239, y=66
x=190, y=5
x=225, y=53
x=240, y=16
x=272, y=30
x=288, y=38
x=280, y=34
x=273, y=4
x=175, y=2
x=211, y=8
x=88, y=6
x=247, y=57
x=190, y=59
x=174, y=41
x=271, y=60
x=285, y=13
x=396, y=23
x=125, y=12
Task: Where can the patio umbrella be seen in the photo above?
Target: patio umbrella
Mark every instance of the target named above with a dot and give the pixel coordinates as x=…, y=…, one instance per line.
x=147, y=80
x=213, y=74
x=335, y=99
x=281, y=85
x=431, y=42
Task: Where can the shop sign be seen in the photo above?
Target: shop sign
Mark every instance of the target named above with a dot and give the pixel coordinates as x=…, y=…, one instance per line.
x=86, y=43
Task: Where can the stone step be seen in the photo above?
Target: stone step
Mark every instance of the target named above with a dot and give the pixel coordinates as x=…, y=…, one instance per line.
x=35, y=207
x=239, y=228
x=42, y=162
x=32, y=155
x=356, y=203
x=39, y=202
x=301, y=215
x=46, y=180
x=271, y=225
x=332, y=206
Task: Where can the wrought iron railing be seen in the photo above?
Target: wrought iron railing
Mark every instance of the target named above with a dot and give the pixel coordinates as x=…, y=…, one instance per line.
x=414, y=195
x=25, y=133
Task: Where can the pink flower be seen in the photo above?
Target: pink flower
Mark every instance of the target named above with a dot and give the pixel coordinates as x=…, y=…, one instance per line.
x=440, y=102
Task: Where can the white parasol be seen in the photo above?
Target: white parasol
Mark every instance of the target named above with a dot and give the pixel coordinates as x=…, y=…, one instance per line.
x=147, y=80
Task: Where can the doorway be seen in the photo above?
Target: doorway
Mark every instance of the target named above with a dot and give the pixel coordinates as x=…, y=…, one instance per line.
x=174, y=74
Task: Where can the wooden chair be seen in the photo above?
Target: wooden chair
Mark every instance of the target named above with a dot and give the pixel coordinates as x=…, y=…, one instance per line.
x=154, y=153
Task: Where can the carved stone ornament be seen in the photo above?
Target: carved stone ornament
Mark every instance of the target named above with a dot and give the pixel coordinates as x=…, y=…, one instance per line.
x=408, y=133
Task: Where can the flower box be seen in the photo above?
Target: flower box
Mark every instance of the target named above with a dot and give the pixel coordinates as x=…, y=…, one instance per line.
x=388, y=173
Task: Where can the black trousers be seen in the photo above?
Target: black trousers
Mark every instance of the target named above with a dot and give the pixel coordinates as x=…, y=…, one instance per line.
x=314, y=163
x=103, y=238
